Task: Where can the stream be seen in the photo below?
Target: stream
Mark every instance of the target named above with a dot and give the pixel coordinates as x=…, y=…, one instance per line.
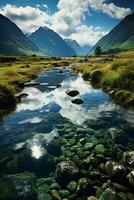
x=47, y=108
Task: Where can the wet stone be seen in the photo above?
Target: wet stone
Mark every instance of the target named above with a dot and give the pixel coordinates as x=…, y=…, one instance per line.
x=72, y=186
x=100, y=149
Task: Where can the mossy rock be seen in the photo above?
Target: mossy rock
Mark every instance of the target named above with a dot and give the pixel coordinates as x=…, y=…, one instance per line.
x=18, y=187
x=72, y=186
x=64, y=193
x=100, y=149
x=44, y=196
x=96, y=76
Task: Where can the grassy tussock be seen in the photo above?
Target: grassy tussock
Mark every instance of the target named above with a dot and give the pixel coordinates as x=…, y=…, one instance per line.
x=117, y=75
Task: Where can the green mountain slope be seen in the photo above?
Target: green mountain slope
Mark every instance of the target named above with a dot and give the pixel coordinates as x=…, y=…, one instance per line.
x=80, y=50
x=13, y=41
x=51, y=43
x=122, y=36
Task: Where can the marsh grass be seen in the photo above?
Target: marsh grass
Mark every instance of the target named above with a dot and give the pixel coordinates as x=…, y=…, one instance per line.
x=117, y=74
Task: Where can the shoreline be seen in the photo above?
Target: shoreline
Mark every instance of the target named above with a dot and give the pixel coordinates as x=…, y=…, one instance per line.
x=18, y=71
x=113, y=74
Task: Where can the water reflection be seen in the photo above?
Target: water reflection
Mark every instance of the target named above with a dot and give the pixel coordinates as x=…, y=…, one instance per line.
x=37, y=116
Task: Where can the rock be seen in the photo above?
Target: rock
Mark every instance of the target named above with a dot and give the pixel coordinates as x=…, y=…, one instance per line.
x=44, y=196
x=91, y=198
x=96, y=76
x=72, y=93
x=95, y=175
x=64, y=193
x=18, y=186
x=120, y=187
x=100, y=149
x=118, y=136
x=55, y=186
x=56, y=195
x=128, y=158
x=72, y=186
x=88, y=146
x=66, y=169
x=48, y=181
x=77, y=101
x=130, y=196
x=60, y=71
x=43, y=188
x=21, y=96
x=108, y=194
x=130, y=177
x=115, y=170
x=123, y=196
x=85, y=187
x=54, y=148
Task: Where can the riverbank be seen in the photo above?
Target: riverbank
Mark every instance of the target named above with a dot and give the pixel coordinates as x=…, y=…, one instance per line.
x=16, y=71
x=113, y=73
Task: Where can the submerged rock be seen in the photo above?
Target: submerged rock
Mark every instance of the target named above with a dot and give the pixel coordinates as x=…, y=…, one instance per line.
x=72, y=186
x=18, y=187
x=44, y=196
x=21, y=96
x=118, y=136
x=128, y=158
x=130, y=177
x=54, y=148
x=100, y=149
x=66, y=171
x=72, y=93
x=77, y=101
x=115, y=170
x=85, y=187
x=108, y=194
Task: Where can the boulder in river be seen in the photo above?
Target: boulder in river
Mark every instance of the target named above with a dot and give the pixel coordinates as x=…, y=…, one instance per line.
x=21, y=96
x=66, y=171
x=115, y=170
x=128, y=158
x=130, y=177
x=72, y=93
x=85, y=187
x=18, y=186
x=77, y=101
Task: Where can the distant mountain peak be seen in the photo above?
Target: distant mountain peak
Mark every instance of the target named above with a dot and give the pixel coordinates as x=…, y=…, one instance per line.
x=51, y=43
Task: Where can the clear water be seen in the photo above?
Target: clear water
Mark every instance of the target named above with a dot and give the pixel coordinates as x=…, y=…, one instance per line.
x=37, y=116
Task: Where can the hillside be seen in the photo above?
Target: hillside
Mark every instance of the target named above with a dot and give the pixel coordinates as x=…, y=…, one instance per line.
x=81, y=51
x=13, y=41
x=51, y=43
x=122, y=36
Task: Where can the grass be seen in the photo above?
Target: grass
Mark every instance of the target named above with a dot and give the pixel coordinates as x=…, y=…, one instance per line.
x=15, y=71
x=25, y=68
x=117, y=75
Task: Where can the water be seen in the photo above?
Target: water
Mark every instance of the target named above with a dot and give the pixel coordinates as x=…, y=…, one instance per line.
x=38, y=116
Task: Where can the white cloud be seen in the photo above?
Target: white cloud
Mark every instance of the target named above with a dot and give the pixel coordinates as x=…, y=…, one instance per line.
x=27, y=18
x=87, y=34
x=68, y=21
x=110, y=9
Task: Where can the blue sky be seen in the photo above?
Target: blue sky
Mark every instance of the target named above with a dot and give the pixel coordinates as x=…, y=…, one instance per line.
x=86, y=21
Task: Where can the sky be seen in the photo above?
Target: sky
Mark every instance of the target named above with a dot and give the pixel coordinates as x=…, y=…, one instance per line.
x=86, y=21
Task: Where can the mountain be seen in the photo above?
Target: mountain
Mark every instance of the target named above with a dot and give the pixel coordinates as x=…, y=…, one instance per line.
x=12, y=39
x=122, y=36
x=51, y=43
x=81, y=51
x=73, y=44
